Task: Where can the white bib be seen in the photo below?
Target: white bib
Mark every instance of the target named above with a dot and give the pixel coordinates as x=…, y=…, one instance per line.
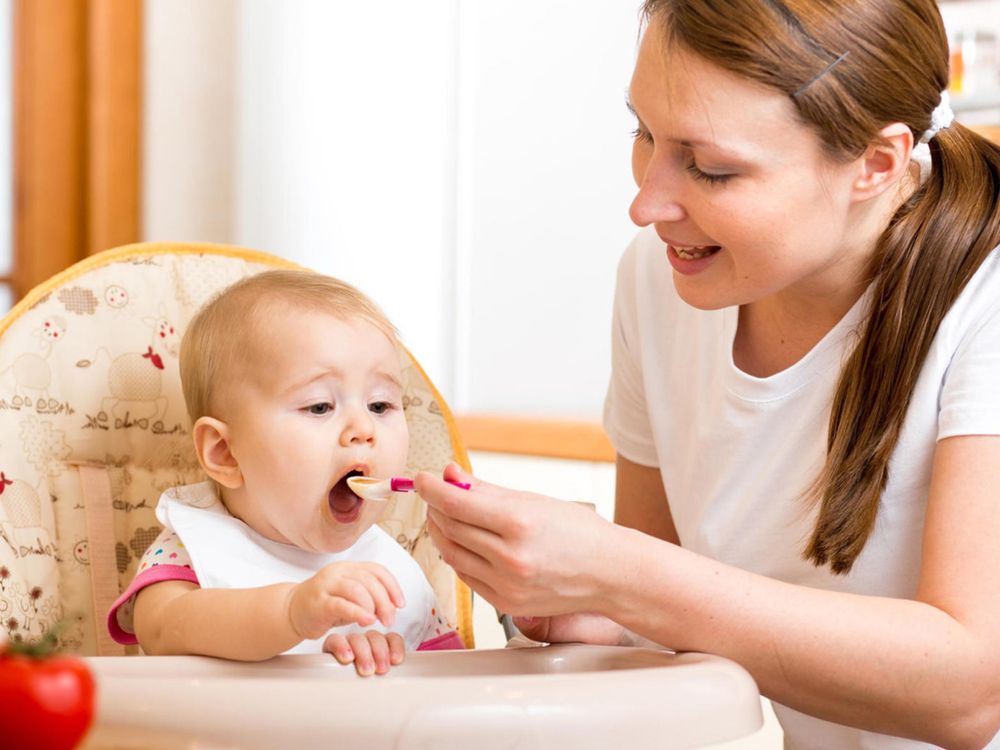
x=226, y=553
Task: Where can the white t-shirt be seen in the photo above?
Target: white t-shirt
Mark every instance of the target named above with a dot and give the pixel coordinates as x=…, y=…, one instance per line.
x=737, y=452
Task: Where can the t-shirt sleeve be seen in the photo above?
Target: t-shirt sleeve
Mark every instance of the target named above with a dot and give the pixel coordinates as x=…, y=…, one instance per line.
x=626, y=418
x=165, y=559
x=969, y=403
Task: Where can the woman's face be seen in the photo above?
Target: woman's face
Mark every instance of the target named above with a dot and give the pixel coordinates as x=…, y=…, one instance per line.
x=741, y=193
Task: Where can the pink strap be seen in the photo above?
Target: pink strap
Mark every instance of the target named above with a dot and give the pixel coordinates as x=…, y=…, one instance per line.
x=98, y=511
x=450, y=641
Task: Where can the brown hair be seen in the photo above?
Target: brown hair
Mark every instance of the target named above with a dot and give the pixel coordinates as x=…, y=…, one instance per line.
x=895, y=71
x=217, y=337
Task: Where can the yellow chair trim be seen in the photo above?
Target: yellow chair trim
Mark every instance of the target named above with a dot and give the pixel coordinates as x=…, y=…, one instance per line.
x=462, y=592
x=137, y=250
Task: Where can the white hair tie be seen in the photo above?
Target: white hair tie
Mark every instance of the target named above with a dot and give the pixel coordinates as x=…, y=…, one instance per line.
x=941, y=117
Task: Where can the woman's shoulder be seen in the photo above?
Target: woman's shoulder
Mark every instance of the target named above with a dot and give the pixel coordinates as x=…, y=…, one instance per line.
x=978, y=304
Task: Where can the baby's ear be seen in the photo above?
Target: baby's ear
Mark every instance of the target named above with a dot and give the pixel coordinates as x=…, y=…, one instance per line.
x=211, y=442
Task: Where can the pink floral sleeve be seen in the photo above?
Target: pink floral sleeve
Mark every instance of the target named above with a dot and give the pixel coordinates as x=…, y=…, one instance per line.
x=164, y=560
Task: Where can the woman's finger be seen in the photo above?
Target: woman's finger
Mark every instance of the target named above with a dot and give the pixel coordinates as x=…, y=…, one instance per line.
x=484, y=543
x=535, y=628
x=462, y=560
x=482, y=505
x=484, y=590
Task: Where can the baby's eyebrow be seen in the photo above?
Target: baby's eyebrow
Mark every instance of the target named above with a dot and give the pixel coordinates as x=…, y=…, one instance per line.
x=389, y=378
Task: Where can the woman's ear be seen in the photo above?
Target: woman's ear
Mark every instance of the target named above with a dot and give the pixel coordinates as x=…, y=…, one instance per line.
x=211, y=442
x=884, y=163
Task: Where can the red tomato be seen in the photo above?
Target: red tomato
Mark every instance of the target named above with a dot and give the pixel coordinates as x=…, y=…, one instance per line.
x=45, y=703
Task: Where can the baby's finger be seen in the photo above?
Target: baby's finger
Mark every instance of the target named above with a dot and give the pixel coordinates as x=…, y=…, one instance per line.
x=380, y=651
x=337, y=644
x=341, y=611
x=384, y=609
x=364, y=664
x=397, y=648
x=389, y=582
x=354, y=592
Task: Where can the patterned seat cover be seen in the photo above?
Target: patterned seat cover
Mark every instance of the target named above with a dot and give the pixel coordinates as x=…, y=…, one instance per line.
x=90, y=390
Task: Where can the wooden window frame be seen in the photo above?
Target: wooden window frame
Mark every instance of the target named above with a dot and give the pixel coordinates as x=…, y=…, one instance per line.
x=77, y=132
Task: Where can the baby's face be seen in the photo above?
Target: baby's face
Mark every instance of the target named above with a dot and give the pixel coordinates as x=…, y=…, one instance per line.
x=319, y=399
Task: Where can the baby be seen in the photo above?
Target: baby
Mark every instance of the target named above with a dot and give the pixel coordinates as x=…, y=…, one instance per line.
x=293, y=384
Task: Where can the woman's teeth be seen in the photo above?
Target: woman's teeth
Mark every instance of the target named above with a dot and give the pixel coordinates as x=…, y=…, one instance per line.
x=694, y=253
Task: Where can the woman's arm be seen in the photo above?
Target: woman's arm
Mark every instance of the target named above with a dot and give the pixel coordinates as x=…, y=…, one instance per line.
x=641, y=500
x=927, y=669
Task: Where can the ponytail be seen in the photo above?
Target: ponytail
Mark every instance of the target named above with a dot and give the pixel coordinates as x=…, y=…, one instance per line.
x=931, y=248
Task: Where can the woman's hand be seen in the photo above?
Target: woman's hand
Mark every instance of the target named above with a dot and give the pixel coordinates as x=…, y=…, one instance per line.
x=526, y=554
x=579, y=627
x=372, y=652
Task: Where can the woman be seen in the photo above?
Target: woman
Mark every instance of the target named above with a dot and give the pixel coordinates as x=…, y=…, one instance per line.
x=804, y=391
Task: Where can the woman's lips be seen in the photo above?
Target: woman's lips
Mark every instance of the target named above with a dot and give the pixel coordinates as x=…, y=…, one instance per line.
x=691, y=259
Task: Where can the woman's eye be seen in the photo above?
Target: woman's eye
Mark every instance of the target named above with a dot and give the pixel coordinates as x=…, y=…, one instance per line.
x=711, y=179
x=320, y=409
x=642, y=136
x=379, y=407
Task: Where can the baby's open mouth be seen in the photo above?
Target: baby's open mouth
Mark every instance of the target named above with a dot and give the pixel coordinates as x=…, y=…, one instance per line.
x=344, y=504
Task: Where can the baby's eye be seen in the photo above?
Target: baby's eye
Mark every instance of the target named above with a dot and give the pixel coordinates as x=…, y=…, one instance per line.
x=379, y=407
x=320, y=409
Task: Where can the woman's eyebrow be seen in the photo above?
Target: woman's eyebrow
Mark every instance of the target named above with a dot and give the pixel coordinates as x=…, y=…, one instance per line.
x=691, y=142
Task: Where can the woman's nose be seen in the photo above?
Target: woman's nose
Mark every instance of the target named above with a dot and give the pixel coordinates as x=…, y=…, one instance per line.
x=359, y=428
x=657, y=199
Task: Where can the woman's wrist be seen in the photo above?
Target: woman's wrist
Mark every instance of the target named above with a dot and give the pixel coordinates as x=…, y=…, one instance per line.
x=617, y=573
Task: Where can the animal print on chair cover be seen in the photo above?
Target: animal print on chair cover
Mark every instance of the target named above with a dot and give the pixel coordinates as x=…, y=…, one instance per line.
x=89, y=378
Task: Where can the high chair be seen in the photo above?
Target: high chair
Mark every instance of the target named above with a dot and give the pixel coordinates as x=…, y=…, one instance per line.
x=93, y=428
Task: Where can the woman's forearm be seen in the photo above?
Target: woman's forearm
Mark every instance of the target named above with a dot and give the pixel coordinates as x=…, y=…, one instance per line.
x=887, y=665
x=242, y=624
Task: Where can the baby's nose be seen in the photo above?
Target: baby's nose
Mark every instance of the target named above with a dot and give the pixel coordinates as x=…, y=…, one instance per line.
x=359, y=428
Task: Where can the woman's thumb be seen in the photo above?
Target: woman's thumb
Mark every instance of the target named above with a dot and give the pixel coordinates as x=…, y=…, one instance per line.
x=535, y=628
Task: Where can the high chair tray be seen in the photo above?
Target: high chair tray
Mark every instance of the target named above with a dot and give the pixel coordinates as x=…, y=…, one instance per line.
x=568, y=695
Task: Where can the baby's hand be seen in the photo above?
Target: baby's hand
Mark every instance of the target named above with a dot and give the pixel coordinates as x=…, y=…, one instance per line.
x=341, y=594
x=372, y=652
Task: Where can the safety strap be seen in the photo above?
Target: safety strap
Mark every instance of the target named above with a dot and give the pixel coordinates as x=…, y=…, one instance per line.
x=95, y=486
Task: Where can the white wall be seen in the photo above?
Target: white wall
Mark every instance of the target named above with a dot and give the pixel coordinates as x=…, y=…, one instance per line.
x=188, y=125
x=346, y=159
x=464, y=162
x=544, y=186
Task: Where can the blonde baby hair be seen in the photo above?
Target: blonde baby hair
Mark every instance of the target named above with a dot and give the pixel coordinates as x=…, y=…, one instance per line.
x=217, y=336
